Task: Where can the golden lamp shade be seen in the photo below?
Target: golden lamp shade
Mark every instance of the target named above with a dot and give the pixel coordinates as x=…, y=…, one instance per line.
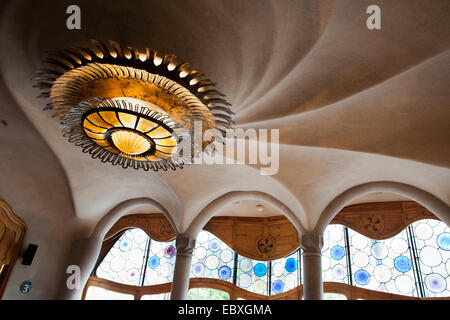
x=121, y=104
x=130, y=142
x=123, y=132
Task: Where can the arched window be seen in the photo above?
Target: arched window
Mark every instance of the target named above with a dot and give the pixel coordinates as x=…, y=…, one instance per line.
x=431, y=240
x=415, y=262
x=134, y=260
x=212, y=258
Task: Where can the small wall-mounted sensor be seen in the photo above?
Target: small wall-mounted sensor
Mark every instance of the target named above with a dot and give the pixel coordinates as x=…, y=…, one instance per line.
x=29, y=253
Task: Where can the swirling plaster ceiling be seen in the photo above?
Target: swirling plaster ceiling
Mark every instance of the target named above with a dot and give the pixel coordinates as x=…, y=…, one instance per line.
x=353, y=105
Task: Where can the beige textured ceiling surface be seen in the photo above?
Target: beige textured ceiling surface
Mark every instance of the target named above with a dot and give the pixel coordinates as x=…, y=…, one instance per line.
x=353, y=105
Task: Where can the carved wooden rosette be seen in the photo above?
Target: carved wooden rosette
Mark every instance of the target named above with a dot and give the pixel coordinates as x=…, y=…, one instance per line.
x=256, y=238
x=12, y=233
x=382, y=220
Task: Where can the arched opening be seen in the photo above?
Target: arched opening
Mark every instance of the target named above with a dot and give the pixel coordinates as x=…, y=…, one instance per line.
x=136, y=260
x=248, y=249
x=386, y=250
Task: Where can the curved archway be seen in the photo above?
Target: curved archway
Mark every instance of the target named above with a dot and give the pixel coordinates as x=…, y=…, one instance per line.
x=429, y=201
x=84, y=252
x=214, y=206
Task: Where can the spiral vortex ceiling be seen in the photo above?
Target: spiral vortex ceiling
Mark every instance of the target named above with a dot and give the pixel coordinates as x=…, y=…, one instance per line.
x=352, y=105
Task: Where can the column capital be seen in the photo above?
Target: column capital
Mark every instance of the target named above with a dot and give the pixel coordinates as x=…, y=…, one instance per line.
x=185, y=245
x=311, y=243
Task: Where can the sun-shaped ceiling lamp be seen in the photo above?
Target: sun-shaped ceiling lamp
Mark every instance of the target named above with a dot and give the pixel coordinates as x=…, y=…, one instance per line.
x=125, y=105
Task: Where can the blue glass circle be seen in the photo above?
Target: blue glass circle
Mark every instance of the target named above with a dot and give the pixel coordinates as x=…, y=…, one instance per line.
x=198, y=269
x=337, y=252
x=260, y=269
x=362, y=277
x=402, y=264
x=214, y=245
x=291, y=264
x=277, y=286
x=224, y=272
x=153, y=262
x=443, y=241
x=125, y=245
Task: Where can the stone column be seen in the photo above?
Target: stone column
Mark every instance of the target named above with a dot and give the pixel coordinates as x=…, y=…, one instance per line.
x=180, y=283
x=312, y=266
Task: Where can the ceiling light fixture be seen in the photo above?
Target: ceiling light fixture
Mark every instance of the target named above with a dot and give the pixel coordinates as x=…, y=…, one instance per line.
x=125, y=105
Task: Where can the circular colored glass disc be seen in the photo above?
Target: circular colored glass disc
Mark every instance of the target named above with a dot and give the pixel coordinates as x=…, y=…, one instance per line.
x=224, y=272
x=402, y=264
x=125, y=245
x=443, y=241
x=278, y=286
x=260, y=269
x=214, y=245
x=435, y=283
x=339, y=271
x=291, y=265
x=198, y=269
x=169, y=251
x=362, y=277
x=337, y=252
x=153, y=262
x=133, y=275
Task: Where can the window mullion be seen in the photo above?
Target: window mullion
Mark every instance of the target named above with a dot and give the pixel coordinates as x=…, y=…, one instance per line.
x=235, y=267
x=412, y=246
x=349, y=264
x=144, y=263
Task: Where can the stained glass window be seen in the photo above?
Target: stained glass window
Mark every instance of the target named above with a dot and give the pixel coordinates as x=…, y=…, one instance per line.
x=383, y=265
x=432, y=240
x=137, y=260
x=160, y=263
x=252, y=275
x=415, y=262
x=334, y=262
x=124, y=262
x=212, y=258
x=286, y=273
